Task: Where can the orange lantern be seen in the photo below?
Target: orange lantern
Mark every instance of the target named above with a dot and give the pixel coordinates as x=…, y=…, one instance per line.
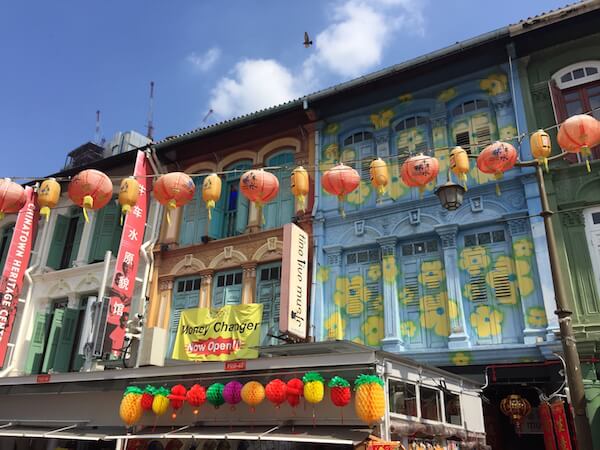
x=459, y=164
x=90, y=189
x=340, y=181
x=211, y=192
x=12, y=197
x=128, y=195
x=578, y=134
x=299, y=186
x=174, y=190
x=379, y=175
x=48, y=196
x=259, y=187
x=496, y=159
x=419, y=170
x=541, y=147
x=516, y=408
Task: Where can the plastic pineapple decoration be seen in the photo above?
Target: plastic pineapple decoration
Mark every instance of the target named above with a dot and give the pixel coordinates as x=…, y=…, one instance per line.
x=130, y=409
x=370, y=399
x=314, y=389
x=148, y=398
x=160, y=404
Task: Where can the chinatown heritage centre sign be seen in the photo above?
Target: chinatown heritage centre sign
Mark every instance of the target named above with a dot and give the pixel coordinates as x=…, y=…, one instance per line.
x=229, y=333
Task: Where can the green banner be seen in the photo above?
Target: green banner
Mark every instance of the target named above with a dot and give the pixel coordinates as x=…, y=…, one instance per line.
x=232, y=332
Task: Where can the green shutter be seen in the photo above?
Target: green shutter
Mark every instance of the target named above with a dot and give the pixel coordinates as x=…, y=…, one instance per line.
x=233, y=295
x=37, y=344
x=53, y=337
x=66, y=341
x=59, y=239
x=107, y=225
x=77, y=238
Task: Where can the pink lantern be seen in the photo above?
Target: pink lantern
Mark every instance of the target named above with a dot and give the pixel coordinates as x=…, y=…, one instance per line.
x=578, y=134
x=259, y=187
x=340, y=181
x=419, y=170
x=174, y=190
x=12, y=197
x=496, y=159
x=90, y=189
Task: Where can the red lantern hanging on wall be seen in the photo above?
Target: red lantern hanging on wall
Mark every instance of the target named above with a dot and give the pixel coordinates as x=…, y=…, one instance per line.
x=173, y=190
x=259, y=187
x=496, y=159
x=340, y=181
x=578, y=134
x=516, y=408
x=12, y=197
x=90, y=189
x=418, y=171
x=276, y=392
x=177, y=398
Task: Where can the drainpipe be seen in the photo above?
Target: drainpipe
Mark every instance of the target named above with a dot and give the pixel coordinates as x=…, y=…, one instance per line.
x=28, y=306
x=314, y=287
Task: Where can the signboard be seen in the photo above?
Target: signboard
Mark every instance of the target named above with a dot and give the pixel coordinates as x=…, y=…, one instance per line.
x=229, y=333
x=128, y=258
x=547, y=427
x=561, y=429
x=294, y=281
x=15, y=266
x=235, y=365
x=383, y=445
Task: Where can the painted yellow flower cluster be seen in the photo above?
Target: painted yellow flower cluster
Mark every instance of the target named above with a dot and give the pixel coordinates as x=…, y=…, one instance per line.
x=495, y=84
x=487, y=321
x=523, y=250
x=447, y=95
x=382, y=119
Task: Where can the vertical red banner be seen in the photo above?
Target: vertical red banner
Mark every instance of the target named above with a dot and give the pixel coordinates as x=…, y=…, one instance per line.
x=547, y=428
x=561, y=427
x=15, y=266
x=128, y=258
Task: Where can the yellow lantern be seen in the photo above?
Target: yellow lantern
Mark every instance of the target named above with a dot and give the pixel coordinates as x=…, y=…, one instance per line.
x=516, y=408
x=541, y=147
x=299, y=186
x=211, y=192
x=459, y=164
x=379, y=175
x=128, y=195
x=48, y=196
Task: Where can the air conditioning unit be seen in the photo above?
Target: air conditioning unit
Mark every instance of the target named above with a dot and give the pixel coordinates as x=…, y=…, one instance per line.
x=153, y=347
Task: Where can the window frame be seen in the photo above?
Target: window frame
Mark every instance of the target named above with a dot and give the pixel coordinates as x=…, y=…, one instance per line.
x=283, y=175
x=424, y=127
x=474, y=146
x=573, y=82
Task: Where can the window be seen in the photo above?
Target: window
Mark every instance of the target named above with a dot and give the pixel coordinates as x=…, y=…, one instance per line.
x=267, y=294
x=430, y=403
x=412, y=137
x=280, y=210
x=5, y=238
x=358, y=137
x=233, y=207
x=577, y=74
x=469, y=107
x=452, y=408
x=227, y=289
x=592, y=230
x=472, y=240
x=67, y=237
x=472, y=127
x=107, y=232
x=420, y=248
x=186, y=295
x=195, y=226
x=402, y=398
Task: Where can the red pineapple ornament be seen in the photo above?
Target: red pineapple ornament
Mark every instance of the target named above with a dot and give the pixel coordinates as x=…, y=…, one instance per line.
x=177, y=398
x=276, y=392
x=148, y=398
x=196, y=397
x=295, y=389
x=339, y=392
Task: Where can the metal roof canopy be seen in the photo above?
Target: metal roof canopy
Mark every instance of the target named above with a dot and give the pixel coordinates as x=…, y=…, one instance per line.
x=74, y=431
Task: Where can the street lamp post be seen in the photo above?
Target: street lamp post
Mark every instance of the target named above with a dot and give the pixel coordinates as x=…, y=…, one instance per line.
x=572, y=363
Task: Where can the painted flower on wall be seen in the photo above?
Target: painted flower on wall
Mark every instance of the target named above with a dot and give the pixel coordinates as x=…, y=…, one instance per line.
x=409, y=139
x=323, y=274
x=397, y=189
x=332, y=128
x=461, y=358
x=348, y=156
x=359, y=195
x=405, y=98
x=329, y=156
x=494, y=84
x=502, y=279
x=374, y=272
x=407, y=296
x=447, y=95
x=372, y=330
x=335, y=326
x=390, y=271
x=382, y=119
x=355, y=295
x=434, y=315
x=523, y=269
x=432, y=274
x=523, y=248
x=507, y=133
x=487, y=321
x=358, y=340
x=339, y=296
x=474, y=259
x=408, y=328
x=536, y=317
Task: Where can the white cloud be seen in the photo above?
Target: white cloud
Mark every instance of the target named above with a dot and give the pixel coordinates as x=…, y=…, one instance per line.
x=253, y=84
x=205, y=61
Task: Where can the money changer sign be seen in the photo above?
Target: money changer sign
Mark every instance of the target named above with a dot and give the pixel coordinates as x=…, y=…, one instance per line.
x=232, y=332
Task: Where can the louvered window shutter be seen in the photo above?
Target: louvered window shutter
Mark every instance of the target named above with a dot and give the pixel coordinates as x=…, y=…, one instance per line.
x=53, y=337
x=503, y=288
x=188, y=233
x=66, y=341
x=58, y=242
x=477, y=278
x=35, y=355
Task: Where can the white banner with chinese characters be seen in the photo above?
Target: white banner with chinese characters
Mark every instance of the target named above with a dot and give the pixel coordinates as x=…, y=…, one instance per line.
x=123, y=284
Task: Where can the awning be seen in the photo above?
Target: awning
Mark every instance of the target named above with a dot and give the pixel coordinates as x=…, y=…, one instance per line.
x=66, y=432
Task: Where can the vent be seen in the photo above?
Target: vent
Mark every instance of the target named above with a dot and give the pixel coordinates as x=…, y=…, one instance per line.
x=478, y=288
x=411, y=288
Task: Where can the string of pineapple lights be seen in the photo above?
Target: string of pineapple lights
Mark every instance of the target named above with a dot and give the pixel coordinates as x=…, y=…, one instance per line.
x=92, y=189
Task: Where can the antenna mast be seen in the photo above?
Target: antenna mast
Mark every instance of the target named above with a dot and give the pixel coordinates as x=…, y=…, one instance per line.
x=210, y=111
x=151, y=112
x=97, y=137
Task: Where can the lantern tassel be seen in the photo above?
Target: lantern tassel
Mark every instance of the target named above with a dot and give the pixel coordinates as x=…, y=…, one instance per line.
x=85, y=215
x=587, y=164
x=88, y=202
x=301, y=202
x=45, y=211
x=421, y=191
x=1, y=215
x=341, y=206
x=463, y=178
x=546, y=165
x=210, y=205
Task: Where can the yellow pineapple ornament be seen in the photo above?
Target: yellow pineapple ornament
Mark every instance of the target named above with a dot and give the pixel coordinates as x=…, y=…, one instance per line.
x=160, y=404
x=370, y=399
x=130, y=409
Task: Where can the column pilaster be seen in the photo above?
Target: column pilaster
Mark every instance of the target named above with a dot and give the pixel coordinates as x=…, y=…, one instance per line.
x=248, y=283
x=392, y=340
x=206, y=280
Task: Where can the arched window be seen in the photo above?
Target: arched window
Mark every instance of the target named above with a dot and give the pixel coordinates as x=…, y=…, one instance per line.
x=412, y=137
x=577, y=74
x=280, y=210
x=358, y=151
x=5, y=238
x=472, y=125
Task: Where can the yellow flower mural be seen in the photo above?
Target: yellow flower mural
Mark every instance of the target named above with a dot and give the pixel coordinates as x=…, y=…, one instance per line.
x=382, y=119
x=396, y=188
x=434, y=315
x=405, y=98
x=358, y=340
x=359, y=195
x=487, y=321
x=348, y=156
x=410, y=139
x=536, y=317
x=502, y=279
x=507, y=133
x=335, y=326
x=331, y=154
x=474, y=259
x=332, y=128
x=432, y=274
x=390, y=271
x=374, y=272
x=339, y=296
x=461, y=359
x=407, y=296
x=408, y=328
x=523, y=248
x=372, y=330
x=323, y=274
x=524, y=279
x=447, y=95
x=494, y=84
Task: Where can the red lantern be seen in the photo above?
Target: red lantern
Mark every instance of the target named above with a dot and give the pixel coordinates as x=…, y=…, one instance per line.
x=196, y=397
x=174, y=190
x=340, y=180
x=12, y=197
x=496, y=159
x=295, y=389
x=259, y=187
x=177, y=398
x=90, y=189
x=419, y=170
x=276, y=392
x=578, y=134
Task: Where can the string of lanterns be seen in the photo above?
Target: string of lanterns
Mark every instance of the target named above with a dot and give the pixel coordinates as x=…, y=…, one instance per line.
x=369, y=398
x=91, y=189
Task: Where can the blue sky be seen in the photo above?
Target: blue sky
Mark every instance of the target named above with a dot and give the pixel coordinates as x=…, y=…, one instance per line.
x=63, y=60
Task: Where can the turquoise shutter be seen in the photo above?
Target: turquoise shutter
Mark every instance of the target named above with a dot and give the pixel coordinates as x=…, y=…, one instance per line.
x=265, y=297
x=188, y=231
x=233, y=295
x=66, y=341
x=173, y=324
x=37, y=344
x=53, y=337
x=181, y=302
x=281, y=209
x=241, y=217
x=58, y=242
x=218, y=297
x=215, y=229
x=107, y=225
